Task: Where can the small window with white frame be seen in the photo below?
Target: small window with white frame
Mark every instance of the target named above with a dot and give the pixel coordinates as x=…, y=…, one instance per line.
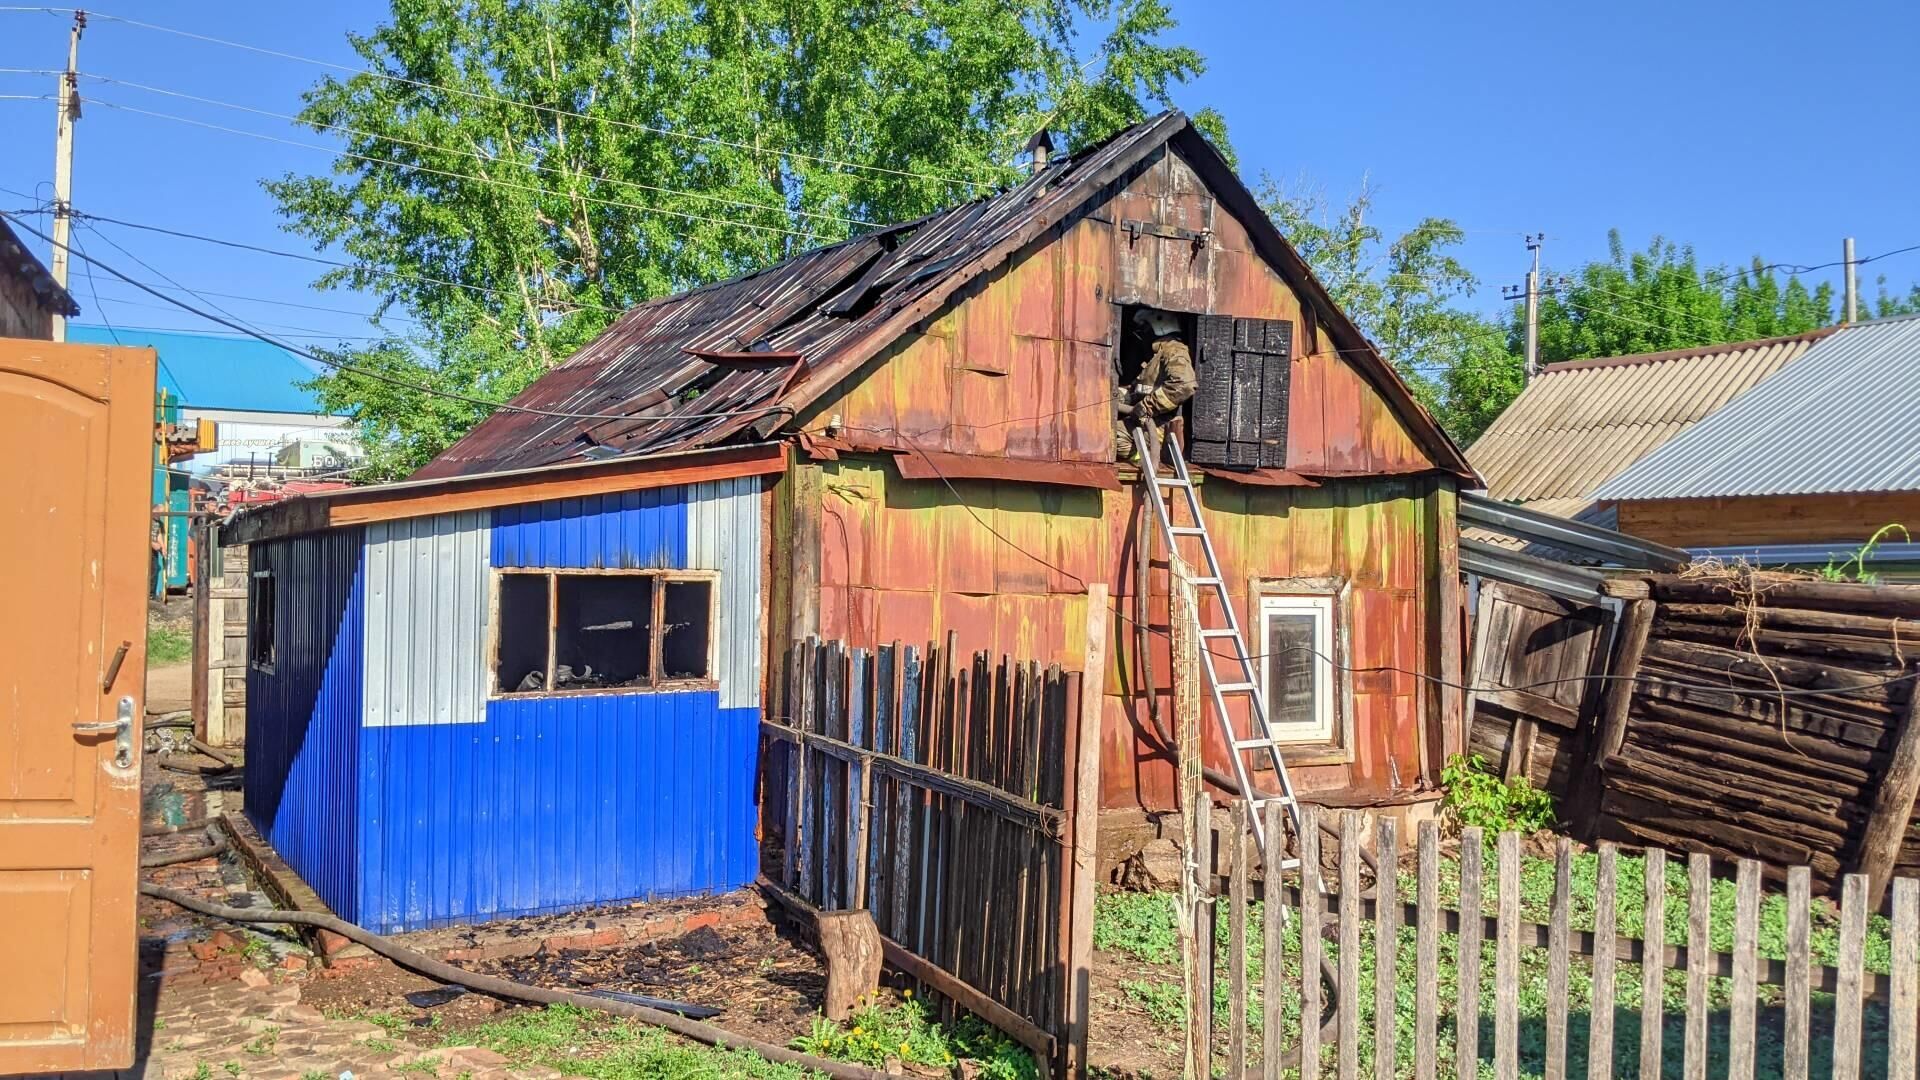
x=575, y=631
x=1297, y=643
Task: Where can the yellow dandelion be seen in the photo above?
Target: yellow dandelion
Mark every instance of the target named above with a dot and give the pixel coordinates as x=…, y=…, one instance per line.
x=903, y=1049
x=906, y=993
x=857, y=1030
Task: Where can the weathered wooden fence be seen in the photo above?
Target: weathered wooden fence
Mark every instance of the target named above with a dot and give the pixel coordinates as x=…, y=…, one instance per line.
x=1747, y=715
x=1440, y=972
x=940, y=796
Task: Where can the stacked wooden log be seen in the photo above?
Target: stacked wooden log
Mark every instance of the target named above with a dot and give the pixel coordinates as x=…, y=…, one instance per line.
x=1762, y=769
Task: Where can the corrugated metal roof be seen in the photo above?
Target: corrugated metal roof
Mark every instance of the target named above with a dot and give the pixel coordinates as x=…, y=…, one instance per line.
x=1844, y=418
x=699, y=368
x=1580, y=423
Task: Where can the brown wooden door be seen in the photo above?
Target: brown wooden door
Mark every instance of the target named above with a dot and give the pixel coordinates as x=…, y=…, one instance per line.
x=76, y=437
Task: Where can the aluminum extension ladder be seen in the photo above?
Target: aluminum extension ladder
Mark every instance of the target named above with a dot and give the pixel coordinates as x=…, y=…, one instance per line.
x=1248, y=684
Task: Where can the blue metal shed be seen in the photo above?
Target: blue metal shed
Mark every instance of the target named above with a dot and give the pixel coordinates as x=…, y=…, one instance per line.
x=393, y=768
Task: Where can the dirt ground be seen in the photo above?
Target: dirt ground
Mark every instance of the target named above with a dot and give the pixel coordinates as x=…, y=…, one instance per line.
x=761, y=976
x=169, y=688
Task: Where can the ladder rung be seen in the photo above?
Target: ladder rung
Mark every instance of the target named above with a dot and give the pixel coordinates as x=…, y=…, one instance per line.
x=1219, y=632
x=1209, y=582
x=1171, y=481
x=1235, y=687
x=1283, y=800
x=1187, y=530
x=1255, y=744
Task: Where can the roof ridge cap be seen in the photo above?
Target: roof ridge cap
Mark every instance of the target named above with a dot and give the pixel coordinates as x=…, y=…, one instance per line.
x=1693, y=351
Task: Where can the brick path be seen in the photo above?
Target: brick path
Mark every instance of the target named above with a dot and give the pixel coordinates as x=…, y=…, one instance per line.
x=222, y=1003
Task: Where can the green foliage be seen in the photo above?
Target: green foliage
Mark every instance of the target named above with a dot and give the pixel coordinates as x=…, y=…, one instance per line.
x=1661, y=298
x=579, y=1042
x=1475, y=797
x=166, y=645
x=516, y=233
x=1858, y=560
x=1163, y=1001
x=1403, y=294
x=907, y=1031
x=1138, y=924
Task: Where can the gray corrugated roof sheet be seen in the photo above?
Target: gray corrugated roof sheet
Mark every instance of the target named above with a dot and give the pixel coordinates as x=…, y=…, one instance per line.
x=1843, y=418
x=1579, y=423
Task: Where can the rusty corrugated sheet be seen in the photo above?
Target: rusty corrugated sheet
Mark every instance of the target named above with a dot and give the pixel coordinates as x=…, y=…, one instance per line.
x=1581, y=423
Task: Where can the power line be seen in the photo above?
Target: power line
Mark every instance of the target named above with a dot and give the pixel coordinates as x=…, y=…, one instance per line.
x=474, y=154
x=508, y=184
x=500, y=99
x=382, y=377
x=320, y=260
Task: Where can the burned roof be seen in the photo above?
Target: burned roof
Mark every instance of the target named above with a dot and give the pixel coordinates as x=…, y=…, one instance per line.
x=739, y=358
x=17, y=259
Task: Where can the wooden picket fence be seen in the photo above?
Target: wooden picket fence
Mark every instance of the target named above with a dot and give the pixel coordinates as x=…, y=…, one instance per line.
x=1335, y=905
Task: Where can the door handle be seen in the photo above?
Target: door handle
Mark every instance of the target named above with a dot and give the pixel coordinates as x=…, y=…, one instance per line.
x=122, y=728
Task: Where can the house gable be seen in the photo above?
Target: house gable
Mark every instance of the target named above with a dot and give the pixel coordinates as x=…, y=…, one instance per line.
x=1018, y=363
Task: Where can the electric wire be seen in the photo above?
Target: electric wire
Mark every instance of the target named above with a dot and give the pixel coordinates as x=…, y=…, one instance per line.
x=452, y=175
x=474, y=154
x=501, y=99
x=379, y=376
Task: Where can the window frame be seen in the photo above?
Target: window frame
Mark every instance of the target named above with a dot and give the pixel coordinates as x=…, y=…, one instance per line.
x=655, y=684
x=1330, y=741
x=258, y=626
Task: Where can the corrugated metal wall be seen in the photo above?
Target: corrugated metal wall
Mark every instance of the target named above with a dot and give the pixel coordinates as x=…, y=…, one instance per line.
x=303, y=717
x=427, y=620
x=474, y=808
x=631, y=530
x=723, y=533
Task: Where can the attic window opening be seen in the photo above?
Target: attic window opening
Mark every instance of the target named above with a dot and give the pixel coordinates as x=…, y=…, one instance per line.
x=576, y=631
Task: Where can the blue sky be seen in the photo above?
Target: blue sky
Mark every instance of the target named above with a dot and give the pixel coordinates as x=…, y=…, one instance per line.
x=1758, y=128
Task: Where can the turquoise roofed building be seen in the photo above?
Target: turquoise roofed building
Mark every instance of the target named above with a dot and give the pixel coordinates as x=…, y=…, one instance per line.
x=269, y=423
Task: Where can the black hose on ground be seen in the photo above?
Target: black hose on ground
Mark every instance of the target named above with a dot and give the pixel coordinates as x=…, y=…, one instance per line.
x=216, y=843
x=507, y=988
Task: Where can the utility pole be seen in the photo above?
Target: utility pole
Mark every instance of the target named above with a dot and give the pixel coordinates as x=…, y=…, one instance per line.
x=1853, y=281
x=1531, y=292
x=69, y=105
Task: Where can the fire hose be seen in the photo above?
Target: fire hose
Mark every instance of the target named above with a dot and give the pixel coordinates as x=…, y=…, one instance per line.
x=507, y=988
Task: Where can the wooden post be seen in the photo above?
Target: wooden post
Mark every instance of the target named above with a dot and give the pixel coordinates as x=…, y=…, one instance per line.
x=202, y=653
x=1610, y=727
x=1196, y=946
x=1448, y=714
x=1085, y=807
x=851, y=944
x=1892, y=813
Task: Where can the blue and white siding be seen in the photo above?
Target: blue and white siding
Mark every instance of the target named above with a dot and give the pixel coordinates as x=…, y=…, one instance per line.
x=467, y=806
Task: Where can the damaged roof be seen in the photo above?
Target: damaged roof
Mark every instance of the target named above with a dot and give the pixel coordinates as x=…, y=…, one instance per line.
x=738, y=359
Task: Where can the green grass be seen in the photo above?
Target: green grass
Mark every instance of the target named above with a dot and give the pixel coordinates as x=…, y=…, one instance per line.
x=1142, y=927
x=907, y=1031
x=579, y=1042
x=166, y=645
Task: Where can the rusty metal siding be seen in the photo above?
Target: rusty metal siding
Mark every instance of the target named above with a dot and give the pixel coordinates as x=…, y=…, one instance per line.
x=630, y=530
x=723, y=533
x=427, y=620
x=303, y=716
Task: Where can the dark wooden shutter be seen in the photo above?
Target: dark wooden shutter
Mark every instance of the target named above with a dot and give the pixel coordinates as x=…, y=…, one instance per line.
x=1244, y=368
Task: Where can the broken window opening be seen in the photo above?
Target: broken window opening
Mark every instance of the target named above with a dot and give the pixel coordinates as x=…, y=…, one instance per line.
x=260, y=618
x=602, y=631
x=687, y=630
x=559, y=631
x=1130, y=360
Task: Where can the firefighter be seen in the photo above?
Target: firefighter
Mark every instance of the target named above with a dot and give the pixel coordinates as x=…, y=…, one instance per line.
x=1166, y=380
